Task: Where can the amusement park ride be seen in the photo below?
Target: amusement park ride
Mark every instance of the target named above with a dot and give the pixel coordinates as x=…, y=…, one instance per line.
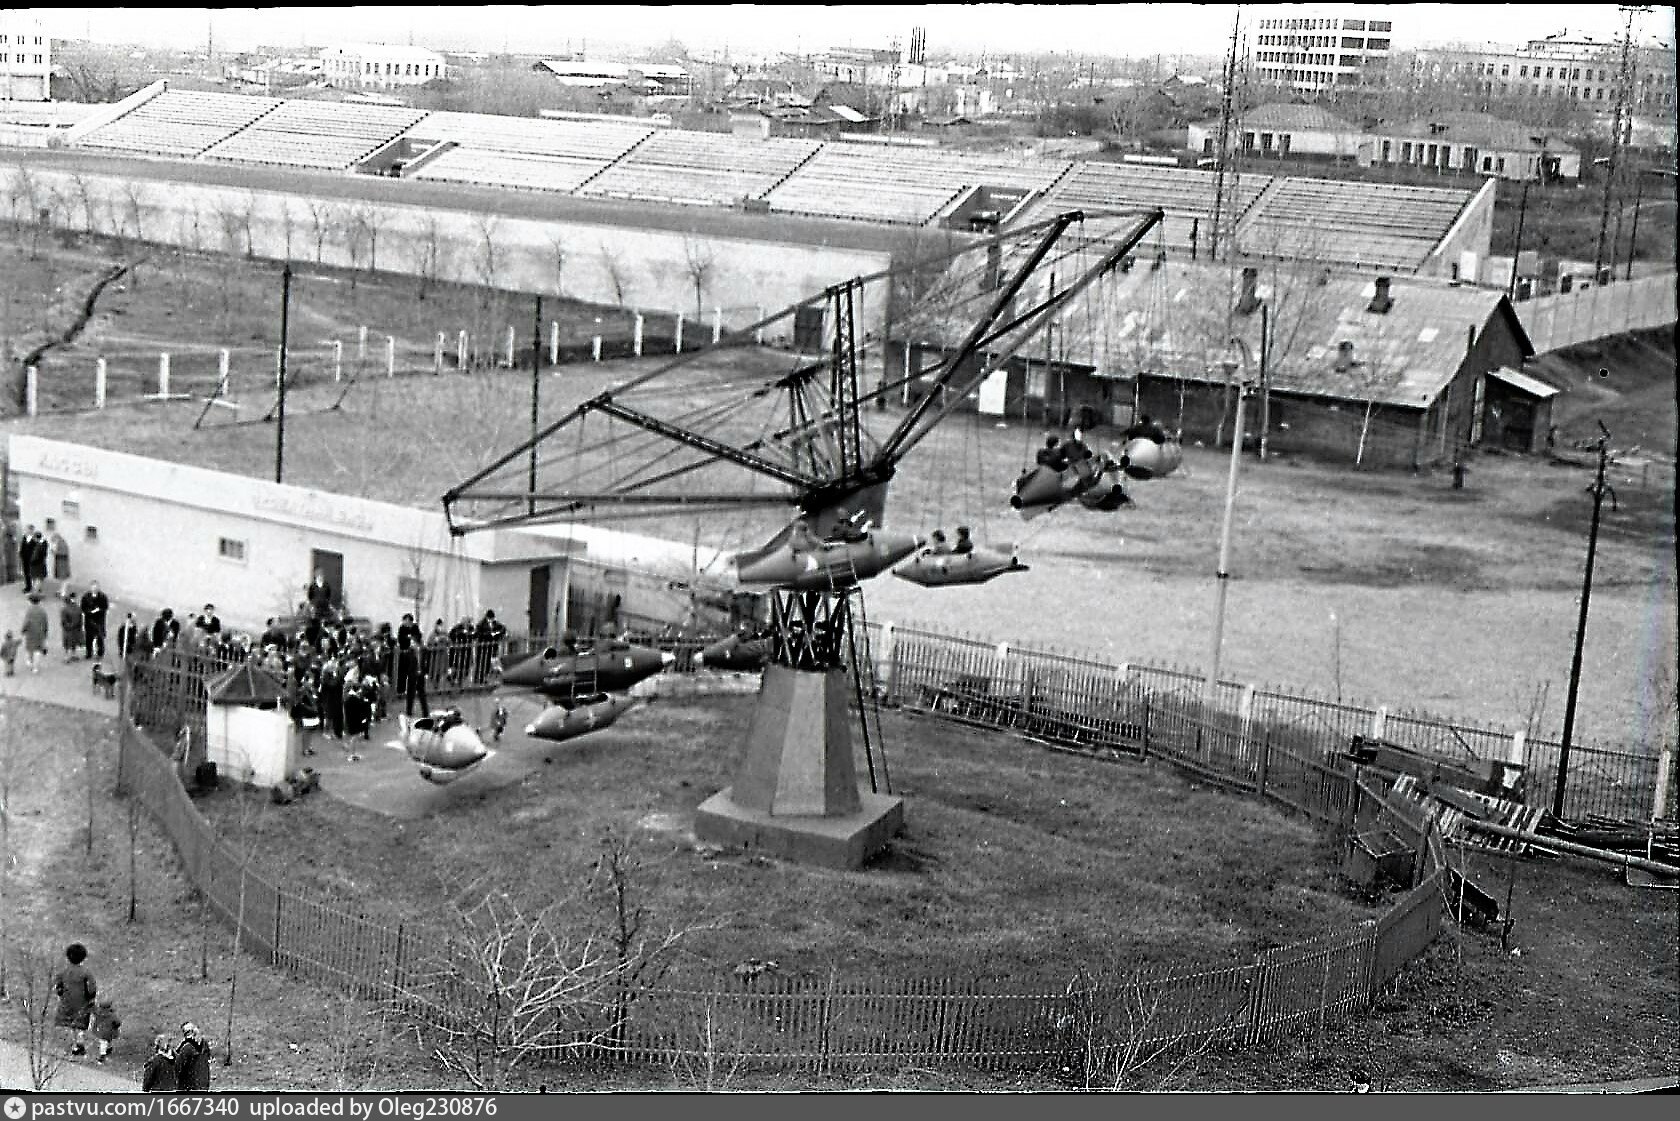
x=707, y=436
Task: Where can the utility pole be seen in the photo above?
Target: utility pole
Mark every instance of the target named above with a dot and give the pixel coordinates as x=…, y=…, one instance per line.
x=1522, y=212
x=536, y=391
x=1598, y=490
x=1224, y=137
x=1265, y=380
x=280, y=377
x=1633, y=237
x=1616, y=136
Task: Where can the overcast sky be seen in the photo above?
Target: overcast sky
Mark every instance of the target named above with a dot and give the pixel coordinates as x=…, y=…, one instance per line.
x=1111, y=29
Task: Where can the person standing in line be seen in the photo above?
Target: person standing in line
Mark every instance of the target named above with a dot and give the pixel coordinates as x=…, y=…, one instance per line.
x=409, y=672
x=34, y=630
x=130, y=643
x=76, y=989
x=32, y=556
x=158, y=1076
x=60, y=555
x=70, y=624
x=96, y=607
x=192, y=1061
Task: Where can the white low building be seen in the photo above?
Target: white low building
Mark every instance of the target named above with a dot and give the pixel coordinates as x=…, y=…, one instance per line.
x=160, y=534
x=360, y=66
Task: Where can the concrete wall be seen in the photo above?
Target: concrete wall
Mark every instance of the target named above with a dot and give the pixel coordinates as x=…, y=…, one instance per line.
x=1598, y=311
x=746, y=277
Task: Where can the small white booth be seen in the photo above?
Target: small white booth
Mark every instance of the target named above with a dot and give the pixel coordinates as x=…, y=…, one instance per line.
x=249, y=735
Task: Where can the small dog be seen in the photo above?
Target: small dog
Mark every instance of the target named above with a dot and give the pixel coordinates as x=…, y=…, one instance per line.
x=498, y=721
x=104, y=681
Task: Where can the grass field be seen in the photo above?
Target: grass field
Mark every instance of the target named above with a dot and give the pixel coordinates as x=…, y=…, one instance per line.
x=1018, y=866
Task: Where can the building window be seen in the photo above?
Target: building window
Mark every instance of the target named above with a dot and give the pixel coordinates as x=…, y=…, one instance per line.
x=1500, y=165
x=1487, y=163
x=1548, y=71
x=229, y=549
x=411, y=588
x=1387, y=151
x=1522, y=72
x=1376, y=44
x=1505, y=71
x=91, y=533
x=72, y=508
x=1265, y=142
x=1406, y=152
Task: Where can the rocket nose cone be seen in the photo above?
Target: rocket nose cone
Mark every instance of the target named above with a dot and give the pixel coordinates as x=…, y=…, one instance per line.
x=530, y=729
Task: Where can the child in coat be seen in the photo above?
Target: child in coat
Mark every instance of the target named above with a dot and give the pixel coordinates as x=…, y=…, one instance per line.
x=8, y=653
x=158, y=1077
x=106, y=1024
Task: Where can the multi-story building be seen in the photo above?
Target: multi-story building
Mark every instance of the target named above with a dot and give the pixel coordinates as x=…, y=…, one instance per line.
x=25, y=59
x=1321, y=48
x=379, y=66
x=1576, y=69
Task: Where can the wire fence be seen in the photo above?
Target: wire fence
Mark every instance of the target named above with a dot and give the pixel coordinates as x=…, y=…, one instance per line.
x=1102, y=1029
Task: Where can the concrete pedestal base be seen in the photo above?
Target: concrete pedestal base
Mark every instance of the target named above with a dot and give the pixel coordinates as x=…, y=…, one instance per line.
x=796, y=791
x=845, y=841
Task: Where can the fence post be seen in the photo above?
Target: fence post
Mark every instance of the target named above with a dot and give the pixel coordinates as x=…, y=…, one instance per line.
x=274, y=945
x=163, y=376
x=509, y=347
x=1257, y=997
x=1245, y=721
x=31, y=384
x=99, y=373
x=390, y=356
x=884, y=657
x=361, y=344
x=461, y=350
x=679, y=332
x=396, y=964
x=338, y=360
x=553, y=342
x=1264, y=763
x=222, y=359
x=717, y=325
x=437, y=355
x=1145, y=723
x=758, y=335
x=1379, y=722
x=1519, y=747
x=636, y=344
x=595, y=348
x=1665, y=767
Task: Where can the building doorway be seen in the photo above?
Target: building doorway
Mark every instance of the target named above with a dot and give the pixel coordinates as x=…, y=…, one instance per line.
x=536, y=612
x=331, y=567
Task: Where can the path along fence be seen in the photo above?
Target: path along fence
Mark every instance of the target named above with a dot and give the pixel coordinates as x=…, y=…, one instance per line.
x=1099, y=1028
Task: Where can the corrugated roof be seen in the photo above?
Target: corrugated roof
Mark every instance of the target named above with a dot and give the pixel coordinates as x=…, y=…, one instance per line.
x=1482, y=130
x=1534, y=387
x=1173, y=321
x=1283, y=115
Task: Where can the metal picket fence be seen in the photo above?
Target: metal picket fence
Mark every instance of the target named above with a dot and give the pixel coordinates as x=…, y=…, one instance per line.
x=1100, y=1030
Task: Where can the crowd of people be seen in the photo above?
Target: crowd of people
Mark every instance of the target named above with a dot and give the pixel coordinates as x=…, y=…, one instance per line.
x=83, y=1012
x=341, y=675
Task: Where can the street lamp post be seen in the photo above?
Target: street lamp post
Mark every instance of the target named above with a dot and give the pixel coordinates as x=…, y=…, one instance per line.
x=1222, y=575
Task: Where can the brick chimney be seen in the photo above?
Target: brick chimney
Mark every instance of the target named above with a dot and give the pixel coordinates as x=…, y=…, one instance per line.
x=1344, y=356
x=1249, y=298
x=1381, y=301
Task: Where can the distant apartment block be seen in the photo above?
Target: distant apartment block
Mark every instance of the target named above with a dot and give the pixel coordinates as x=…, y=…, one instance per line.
x=362, y=66
x=1575, y=69
x=25, y=59
x=1321, y=48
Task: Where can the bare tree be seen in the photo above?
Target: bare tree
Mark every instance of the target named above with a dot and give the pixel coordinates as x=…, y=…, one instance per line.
x=32, y=1007
x=488, y=260
x=428, y=252
x=699, y=262
x=557, y=254
x=323, y=221
x=85, y=201
x=248, y=223
x=515, y=983
x=374, y=220
x=356, y=238
x=616, y=276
